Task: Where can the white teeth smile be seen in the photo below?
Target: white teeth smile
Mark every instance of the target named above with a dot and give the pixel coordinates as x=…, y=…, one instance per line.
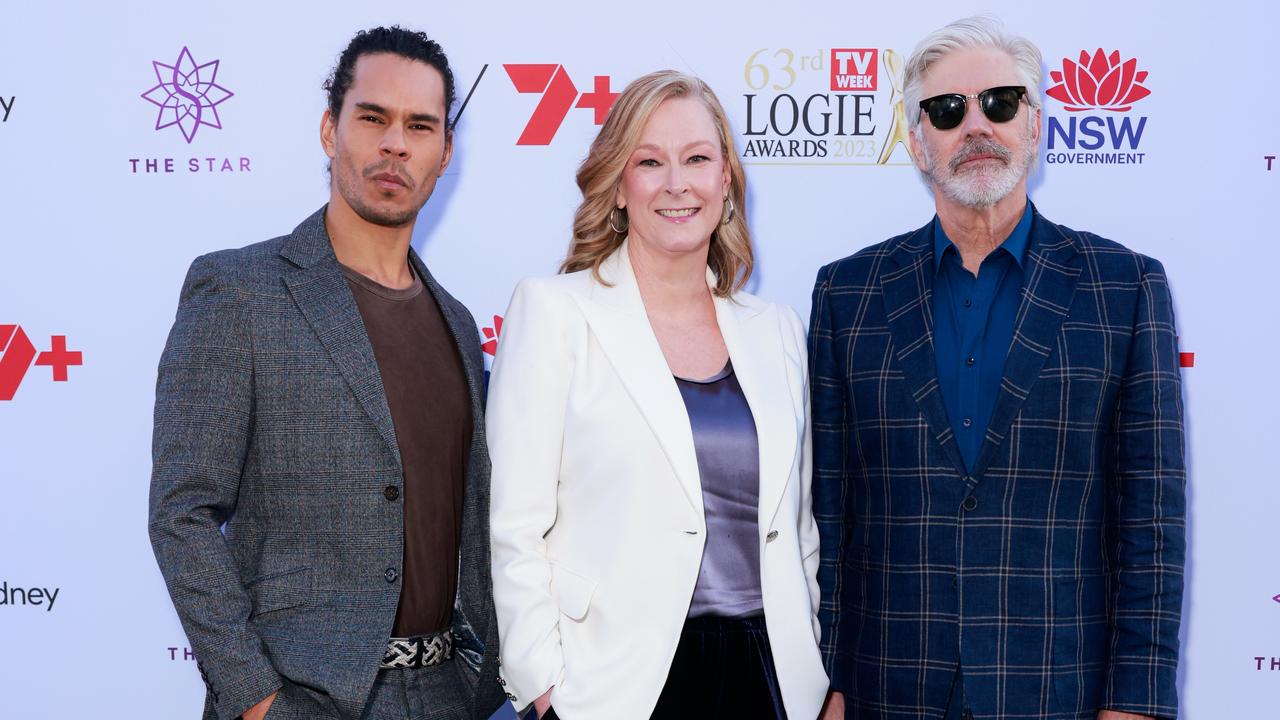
x=678, y=213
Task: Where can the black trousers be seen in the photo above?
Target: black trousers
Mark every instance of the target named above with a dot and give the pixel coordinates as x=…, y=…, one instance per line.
x=723, y=668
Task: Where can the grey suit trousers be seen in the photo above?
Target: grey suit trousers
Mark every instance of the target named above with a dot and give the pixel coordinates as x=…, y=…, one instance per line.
x=430, y=693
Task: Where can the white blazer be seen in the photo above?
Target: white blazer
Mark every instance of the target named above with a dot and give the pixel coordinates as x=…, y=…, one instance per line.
x=596, y=514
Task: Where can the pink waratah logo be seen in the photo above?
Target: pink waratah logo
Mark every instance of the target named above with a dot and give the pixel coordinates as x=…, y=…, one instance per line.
x=1098, y=82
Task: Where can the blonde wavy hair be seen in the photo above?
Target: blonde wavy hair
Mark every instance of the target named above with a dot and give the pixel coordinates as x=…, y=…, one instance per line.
x=600, y=174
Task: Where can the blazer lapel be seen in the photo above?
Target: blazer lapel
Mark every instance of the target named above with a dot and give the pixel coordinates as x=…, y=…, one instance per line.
x=906, y=283
x=753, y=334
x=325, y=300
x=617, y=318
x=1051, y=271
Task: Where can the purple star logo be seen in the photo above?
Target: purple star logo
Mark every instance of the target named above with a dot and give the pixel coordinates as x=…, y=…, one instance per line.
x=187, y=95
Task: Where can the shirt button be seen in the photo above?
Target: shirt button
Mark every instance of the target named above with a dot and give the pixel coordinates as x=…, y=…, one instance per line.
x=968, y=302
x=967, y=422
x=970, y=504
x=970, y=361
x=392, y=493
x=391, y=575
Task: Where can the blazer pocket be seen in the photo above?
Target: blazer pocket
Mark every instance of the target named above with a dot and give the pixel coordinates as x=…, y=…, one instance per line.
x=573, y=592
x=1080, y=629
x=277, y=591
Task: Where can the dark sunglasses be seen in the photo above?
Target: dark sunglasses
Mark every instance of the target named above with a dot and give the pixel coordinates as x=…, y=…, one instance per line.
x=999, y=104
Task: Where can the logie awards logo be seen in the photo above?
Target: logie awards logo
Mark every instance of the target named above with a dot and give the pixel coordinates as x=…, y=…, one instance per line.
x=837, y=106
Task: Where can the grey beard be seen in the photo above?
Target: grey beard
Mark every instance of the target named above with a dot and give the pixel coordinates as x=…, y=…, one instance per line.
x=981, y=189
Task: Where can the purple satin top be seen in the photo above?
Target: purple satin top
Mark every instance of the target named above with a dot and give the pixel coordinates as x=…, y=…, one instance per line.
x=724, y=437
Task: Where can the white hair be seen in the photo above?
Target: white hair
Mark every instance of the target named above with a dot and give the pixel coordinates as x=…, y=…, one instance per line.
x=979, y=31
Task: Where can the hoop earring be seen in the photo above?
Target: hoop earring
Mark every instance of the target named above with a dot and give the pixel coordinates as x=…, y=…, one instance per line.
x=728, y=214
x=614, y=226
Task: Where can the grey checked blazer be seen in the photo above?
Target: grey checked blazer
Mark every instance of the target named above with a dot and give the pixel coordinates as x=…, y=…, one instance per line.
x=272, y=450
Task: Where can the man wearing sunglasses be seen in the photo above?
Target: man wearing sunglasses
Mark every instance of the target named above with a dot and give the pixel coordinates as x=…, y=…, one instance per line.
x=998, y=444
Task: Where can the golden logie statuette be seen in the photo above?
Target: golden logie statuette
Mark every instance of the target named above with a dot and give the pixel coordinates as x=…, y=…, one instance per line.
x=898, y=129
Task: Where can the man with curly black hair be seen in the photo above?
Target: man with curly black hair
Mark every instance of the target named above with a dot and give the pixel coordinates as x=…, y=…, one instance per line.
x=320, y=491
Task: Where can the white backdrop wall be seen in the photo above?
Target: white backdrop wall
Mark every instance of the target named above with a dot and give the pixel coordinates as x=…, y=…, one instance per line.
x=94, y=248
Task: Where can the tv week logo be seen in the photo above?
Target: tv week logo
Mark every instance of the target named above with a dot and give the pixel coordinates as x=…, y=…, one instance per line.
x=558, y=96
x=854, y=68
x=19, y=352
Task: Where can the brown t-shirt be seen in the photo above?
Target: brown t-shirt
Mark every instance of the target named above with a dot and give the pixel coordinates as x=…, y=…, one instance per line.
x=431, y=411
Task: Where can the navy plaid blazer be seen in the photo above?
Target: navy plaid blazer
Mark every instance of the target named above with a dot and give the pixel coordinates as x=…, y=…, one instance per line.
x=1052, y=573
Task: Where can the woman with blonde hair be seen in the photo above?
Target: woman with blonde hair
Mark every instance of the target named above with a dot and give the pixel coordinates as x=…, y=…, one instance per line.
x=654, y=551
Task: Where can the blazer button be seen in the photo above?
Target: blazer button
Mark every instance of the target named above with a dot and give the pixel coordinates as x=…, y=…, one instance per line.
x=970, y=503
x=771, y=536
x=392, y=493
x=511, y=697
x=391, y=574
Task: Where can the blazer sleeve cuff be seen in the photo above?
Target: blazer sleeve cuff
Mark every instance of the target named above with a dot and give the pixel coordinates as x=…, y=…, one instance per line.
x=837, y=672
x=231, y=701
x=1143, y=689
x=523, y=686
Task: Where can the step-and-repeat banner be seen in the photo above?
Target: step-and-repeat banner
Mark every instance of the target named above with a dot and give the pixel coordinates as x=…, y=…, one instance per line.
x=105, y=199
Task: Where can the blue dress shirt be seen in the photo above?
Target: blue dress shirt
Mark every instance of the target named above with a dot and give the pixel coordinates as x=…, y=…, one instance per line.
x=973, y=321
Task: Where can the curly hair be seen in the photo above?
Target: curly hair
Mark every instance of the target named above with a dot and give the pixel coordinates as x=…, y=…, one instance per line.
x=394, y=40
